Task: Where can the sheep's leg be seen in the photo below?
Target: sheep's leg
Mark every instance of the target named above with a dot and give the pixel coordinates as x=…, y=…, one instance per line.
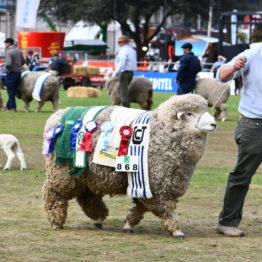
x=21, y=157
x=134, y=217
x=26, y=106
x=223, y=108
x=55, y=207
x=10, y=157
x=55, y=102
x=93, y=206
x=166, y=211
x=39, y=105
x=217, y=113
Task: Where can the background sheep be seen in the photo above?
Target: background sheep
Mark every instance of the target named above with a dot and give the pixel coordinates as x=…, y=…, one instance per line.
x=216, y=94
x=11, y=147
x=50, y=90
x=177, y=141
x=140, y=91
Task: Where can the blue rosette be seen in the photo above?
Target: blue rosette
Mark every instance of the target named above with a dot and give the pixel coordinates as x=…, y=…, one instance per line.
x=58, y=130
x=74, y=130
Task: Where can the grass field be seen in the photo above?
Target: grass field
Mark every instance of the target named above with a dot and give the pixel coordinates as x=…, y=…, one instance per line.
x=27, y=236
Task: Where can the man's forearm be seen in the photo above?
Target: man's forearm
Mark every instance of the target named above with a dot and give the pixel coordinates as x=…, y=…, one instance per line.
x=227, y=72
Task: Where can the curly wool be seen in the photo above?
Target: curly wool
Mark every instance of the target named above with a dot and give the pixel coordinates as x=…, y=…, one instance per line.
x=50, y=90
x=140, y=91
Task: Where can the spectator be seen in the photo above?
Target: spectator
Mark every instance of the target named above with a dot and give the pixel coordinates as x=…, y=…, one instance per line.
x=35, y=61
x=13, y=63
x=220, y=61
x=188, y=69
x=29, y=58
x=125, y=65
x=60, y=65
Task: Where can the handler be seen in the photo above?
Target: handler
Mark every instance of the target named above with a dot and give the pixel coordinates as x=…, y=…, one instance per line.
x=125, y=65
x=248, y=136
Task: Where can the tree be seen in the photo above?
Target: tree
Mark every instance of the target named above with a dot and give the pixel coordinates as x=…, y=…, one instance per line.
x=133, y=15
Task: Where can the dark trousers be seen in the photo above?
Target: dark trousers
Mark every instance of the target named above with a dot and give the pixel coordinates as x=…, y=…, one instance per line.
x=12, y=82
x=185, y=87
x=124, y=81
x=248, y=136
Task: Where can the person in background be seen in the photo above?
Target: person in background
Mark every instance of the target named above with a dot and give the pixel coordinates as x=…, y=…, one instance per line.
x=125, y=65
x=188, y=68
x=220, y=61
x=14, y=60
x=29, y=58
x=248, y=136
x=35, y=61
x=60, y=65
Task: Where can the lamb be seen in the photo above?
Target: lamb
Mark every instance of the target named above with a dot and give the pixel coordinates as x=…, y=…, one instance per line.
x=178, y=133
x=9, y=143
x=216, y=94
x=140, y=91
x=50, y=90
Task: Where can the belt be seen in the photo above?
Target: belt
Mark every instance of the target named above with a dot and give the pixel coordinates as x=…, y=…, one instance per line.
x=252, y=119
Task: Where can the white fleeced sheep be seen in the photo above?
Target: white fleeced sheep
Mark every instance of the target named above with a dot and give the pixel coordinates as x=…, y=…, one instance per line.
x=178, y=133
x=50, y=90
x=216, y=93
x=140, y=91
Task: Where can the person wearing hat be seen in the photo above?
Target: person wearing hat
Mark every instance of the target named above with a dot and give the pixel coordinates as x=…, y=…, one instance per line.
x=14, y=60
x=188, y=69
x=125, y=65
x=29, y=58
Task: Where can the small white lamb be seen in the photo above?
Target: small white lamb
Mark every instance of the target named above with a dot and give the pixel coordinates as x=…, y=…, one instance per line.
x=11, y=147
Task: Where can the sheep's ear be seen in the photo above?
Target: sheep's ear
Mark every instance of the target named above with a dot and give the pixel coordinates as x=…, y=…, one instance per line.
x=180, y=115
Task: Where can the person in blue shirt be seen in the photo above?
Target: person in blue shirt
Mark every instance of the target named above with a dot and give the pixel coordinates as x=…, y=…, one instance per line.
x=188, y=69
x=248, y=136
x=125, y=66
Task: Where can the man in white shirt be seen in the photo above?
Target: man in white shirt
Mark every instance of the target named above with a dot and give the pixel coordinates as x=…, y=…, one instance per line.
x=248, y=136
x=125, y=65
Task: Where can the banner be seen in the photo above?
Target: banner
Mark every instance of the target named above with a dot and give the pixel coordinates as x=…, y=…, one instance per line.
x=26, y=13
x=162, y=82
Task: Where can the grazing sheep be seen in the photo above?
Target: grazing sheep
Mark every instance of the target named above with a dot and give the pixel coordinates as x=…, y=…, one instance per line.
x=178, y=132
x=140, y=91
x=80, y=91
x=216, y=94
x=11, y=147
x=50, y=90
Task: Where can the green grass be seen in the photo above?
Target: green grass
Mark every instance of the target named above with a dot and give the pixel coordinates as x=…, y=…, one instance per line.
x=27, y=236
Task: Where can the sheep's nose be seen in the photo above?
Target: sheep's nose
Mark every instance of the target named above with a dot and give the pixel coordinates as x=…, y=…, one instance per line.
x=214, y=125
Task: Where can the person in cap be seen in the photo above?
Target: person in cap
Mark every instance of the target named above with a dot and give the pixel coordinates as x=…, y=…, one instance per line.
x=125, y=65
x=29, y=58
x=188, y=69
x=14, y=60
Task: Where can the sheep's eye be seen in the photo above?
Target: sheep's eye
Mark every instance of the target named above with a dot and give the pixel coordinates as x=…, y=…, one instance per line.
x=189, y=114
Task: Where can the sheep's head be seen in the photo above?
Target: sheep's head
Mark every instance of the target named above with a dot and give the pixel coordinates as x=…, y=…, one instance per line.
x=187, y=110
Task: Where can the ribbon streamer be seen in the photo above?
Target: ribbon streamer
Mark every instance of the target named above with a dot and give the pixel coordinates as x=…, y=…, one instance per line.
x=47, y=141
x=106, y=129
x=125, y=133
x=86, y=144
x=57, y=130
x=74, y=130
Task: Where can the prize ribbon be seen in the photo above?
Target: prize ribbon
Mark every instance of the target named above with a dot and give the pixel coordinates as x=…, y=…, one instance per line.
x=74, y=130
x=86, y=144
x=106, y=129
x=125, y=133
x=57, y=130
x=47, y=141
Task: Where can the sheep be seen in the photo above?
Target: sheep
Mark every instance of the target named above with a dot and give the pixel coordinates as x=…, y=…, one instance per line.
x=50, y=90
x=9, y=143
x=178, y=133
x=216, y=94
x=140, y=91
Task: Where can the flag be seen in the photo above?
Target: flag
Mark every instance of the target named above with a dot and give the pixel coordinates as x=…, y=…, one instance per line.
x=26, y=13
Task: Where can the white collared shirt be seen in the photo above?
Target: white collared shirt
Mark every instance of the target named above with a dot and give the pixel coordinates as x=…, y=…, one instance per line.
x=125, y=60
x=250, y=104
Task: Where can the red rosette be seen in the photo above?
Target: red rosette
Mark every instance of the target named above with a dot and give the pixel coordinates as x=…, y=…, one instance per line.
x=125, y=133
x=86, y=144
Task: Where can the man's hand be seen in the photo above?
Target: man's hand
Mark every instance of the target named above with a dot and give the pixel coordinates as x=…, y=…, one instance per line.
x=239, y=63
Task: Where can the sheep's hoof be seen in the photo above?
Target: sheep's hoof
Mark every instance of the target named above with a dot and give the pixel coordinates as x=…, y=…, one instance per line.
x=178, y=234
x=99, y=225
x=223, y=119
x=57, y=227
x=128, y=231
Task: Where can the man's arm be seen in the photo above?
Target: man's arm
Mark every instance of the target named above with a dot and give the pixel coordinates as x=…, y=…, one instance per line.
x=227, y=71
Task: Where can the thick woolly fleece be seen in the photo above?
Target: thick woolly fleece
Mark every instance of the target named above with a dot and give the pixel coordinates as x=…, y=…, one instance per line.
x=140, y=91
x=50, y=90
x=174, y=150
x=216, y=93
